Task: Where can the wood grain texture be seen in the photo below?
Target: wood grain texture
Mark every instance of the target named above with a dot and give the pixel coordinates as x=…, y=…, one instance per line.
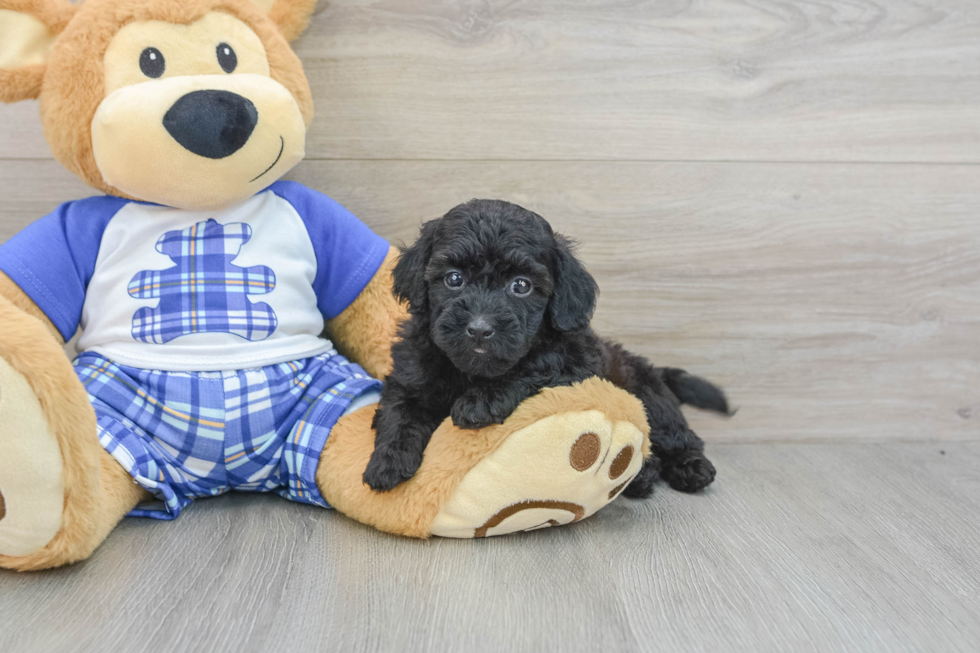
x=851, y=547
x=824, y=80
x=832, y=301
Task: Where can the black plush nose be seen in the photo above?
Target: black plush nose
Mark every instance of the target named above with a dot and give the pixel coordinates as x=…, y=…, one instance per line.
x=214, y=124
x=479, y=329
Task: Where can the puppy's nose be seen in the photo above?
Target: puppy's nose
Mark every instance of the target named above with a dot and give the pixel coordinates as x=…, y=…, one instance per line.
x=213, y=124
x=479, y=329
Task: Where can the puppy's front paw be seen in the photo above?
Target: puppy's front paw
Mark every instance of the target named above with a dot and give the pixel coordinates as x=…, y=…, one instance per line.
x=388, y=469
x=473, y=412
x=689, y=474
x=642, y=486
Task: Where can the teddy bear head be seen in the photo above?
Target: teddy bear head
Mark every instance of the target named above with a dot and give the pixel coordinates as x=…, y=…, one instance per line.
x=196, y=104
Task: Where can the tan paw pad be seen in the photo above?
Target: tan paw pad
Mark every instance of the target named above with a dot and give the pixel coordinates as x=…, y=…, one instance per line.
x=558, y=470
x=30, y=470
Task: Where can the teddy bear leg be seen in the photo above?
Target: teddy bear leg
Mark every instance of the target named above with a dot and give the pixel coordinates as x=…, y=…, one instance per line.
x=58, y=498
x=561, y=456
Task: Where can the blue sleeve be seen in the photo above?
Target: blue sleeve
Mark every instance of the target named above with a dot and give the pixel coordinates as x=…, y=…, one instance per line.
x=52, y=260
x=347, y=252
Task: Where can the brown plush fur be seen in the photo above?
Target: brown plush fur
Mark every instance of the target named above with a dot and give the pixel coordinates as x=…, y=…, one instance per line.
x=21, y=84
x=365, y=330
x=291, y=16
x=18, y=298
x=411, y=507
x=74, y=82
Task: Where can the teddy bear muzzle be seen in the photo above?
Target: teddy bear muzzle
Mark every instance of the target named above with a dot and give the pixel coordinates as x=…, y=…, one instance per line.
x=197, y=142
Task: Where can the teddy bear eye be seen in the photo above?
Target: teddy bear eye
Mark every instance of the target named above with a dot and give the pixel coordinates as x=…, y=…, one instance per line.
x=227, y=58
x=152, y=63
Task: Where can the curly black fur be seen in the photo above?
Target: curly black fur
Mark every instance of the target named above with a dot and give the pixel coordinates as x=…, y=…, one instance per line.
x=476, y=345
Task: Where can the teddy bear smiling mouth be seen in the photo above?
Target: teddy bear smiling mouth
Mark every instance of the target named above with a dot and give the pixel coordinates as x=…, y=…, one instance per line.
x=282, y=146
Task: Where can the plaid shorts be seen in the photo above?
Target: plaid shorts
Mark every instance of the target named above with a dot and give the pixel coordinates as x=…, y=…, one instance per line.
x=183, y=435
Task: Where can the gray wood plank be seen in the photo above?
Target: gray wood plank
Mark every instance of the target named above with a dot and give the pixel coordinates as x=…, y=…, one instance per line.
x=849, y=547
x=834, y=301
x=824, y=80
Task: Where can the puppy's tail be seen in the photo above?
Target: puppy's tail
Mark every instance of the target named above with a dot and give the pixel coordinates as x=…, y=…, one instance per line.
x=695, y=391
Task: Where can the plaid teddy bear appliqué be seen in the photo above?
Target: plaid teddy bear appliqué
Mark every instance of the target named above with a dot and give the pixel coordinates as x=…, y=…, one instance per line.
x=204, y=291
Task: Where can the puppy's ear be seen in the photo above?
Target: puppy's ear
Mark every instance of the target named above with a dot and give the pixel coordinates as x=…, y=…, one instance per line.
x=409, y=273
x=574, y=297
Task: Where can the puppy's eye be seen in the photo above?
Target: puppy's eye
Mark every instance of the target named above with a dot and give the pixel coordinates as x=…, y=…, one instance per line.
x=227, y=58
x=520, y=286
x=152, y=63
x=455, y=279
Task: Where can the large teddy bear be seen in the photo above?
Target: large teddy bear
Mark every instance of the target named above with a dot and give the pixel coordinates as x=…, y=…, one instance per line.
x=203, y=287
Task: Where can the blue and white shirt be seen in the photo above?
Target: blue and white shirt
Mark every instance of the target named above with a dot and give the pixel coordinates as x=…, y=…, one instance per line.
x=162, y=288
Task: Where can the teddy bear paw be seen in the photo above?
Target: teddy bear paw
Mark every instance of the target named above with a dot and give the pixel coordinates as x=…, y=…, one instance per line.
x=558, y=470
x=31, y=488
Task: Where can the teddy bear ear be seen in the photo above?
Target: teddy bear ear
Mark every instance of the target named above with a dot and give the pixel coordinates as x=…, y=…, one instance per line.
x=28, y=29
x=290, y=16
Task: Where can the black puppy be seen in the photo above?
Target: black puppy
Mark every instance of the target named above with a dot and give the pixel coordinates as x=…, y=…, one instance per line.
x=499, y=309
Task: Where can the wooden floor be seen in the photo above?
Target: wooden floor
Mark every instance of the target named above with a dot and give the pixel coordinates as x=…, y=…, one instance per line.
x=781, y=196
x=798, y=547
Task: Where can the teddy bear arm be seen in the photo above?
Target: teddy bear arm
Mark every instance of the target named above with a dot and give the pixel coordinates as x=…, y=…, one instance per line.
x=364, y=331
x=12, y=293
x=31, y=345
